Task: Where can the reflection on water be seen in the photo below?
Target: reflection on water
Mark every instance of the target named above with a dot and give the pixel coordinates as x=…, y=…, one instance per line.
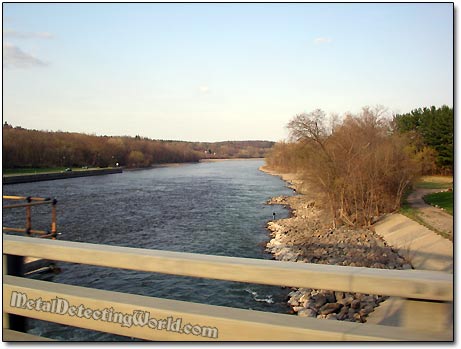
x=215, y=208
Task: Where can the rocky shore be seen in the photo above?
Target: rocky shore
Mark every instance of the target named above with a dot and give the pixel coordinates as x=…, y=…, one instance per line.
x=306, y=237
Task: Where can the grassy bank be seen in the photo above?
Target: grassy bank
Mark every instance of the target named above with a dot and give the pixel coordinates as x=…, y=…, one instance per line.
x=443, y=200
x=410, y=212
x=27, y=171
x=21, y=171
x=48, y=176
x=433, y=185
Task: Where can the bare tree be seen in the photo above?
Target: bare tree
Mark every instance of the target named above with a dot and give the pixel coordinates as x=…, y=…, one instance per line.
x=358, y=166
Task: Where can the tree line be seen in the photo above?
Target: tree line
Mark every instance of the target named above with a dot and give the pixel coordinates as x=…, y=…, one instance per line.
x=361, y=165
x=430, y=131
x=23, y=148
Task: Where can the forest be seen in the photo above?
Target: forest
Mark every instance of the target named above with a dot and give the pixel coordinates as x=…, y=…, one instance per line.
x=430, y=132
x=23, y=148
x=361, y=165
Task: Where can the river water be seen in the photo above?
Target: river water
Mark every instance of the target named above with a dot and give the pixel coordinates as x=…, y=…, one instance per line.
x=215, y=208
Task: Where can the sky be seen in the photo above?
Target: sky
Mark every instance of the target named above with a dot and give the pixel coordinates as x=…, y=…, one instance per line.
x=215, y=72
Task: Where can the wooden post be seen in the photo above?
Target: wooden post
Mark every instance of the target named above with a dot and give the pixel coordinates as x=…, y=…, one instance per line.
x=15, y=267
x=5, y=315
x=53, y=219
x=28, y=220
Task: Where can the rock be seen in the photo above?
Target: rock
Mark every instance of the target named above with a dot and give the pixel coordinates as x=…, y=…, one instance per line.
x=380, y=299
x=347, y=300
x=350, y=313
x=331, y=297
x=331, y=317
x=330, y=308
x=307, y=313
x=367, y=310
x=358, y=317
x=310, y=239
x=368, y=299
x=320, y=300
x=288, y=257
x=355, y=304
x=297, y=309
x=339, y=295
x=342, y=313
x=304, y=298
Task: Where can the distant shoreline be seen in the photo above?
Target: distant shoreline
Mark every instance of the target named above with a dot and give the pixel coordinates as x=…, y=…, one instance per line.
x=48, y=176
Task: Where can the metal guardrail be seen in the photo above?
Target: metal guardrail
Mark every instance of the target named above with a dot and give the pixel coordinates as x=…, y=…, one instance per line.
x=423, y=287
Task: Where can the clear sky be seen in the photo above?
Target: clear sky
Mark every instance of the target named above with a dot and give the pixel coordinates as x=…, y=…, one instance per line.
x=210, y=72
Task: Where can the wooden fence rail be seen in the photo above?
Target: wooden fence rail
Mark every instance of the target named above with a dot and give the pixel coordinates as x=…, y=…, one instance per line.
x=28, y=204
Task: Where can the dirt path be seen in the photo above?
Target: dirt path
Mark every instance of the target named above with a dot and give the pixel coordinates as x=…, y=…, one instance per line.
x=431, y=215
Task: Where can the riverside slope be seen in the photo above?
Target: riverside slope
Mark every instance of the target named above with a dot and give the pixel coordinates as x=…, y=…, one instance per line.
x=306, y=237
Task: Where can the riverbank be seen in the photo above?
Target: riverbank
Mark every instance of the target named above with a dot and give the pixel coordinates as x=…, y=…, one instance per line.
x=307, y=237
x=49, y=176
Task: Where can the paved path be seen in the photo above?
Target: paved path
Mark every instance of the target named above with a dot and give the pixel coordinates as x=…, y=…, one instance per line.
x=431, y=215
x=423, y=248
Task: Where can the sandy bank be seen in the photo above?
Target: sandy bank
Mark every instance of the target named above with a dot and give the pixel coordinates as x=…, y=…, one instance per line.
x=307, y=237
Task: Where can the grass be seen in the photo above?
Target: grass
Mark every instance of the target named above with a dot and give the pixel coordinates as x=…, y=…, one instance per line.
x=412, y=213
x=434, y=182
x=24, y=171
x=406, y=209
x=433, y=185
x=443, y=200
x=17, y=171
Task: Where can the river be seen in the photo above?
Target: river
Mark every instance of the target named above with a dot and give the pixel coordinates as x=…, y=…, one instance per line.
x=215, y=208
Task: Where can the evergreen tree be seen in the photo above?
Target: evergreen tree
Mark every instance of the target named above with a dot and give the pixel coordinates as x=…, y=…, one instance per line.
x=430, y=127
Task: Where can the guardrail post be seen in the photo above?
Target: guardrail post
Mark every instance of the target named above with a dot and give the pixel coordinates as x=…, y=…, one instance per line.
x=14, y=265
x=427, y=315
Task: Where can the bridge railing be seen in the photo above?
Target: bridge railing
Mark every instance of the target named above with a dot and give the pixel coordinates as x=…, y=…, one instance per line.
x=186, y=321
